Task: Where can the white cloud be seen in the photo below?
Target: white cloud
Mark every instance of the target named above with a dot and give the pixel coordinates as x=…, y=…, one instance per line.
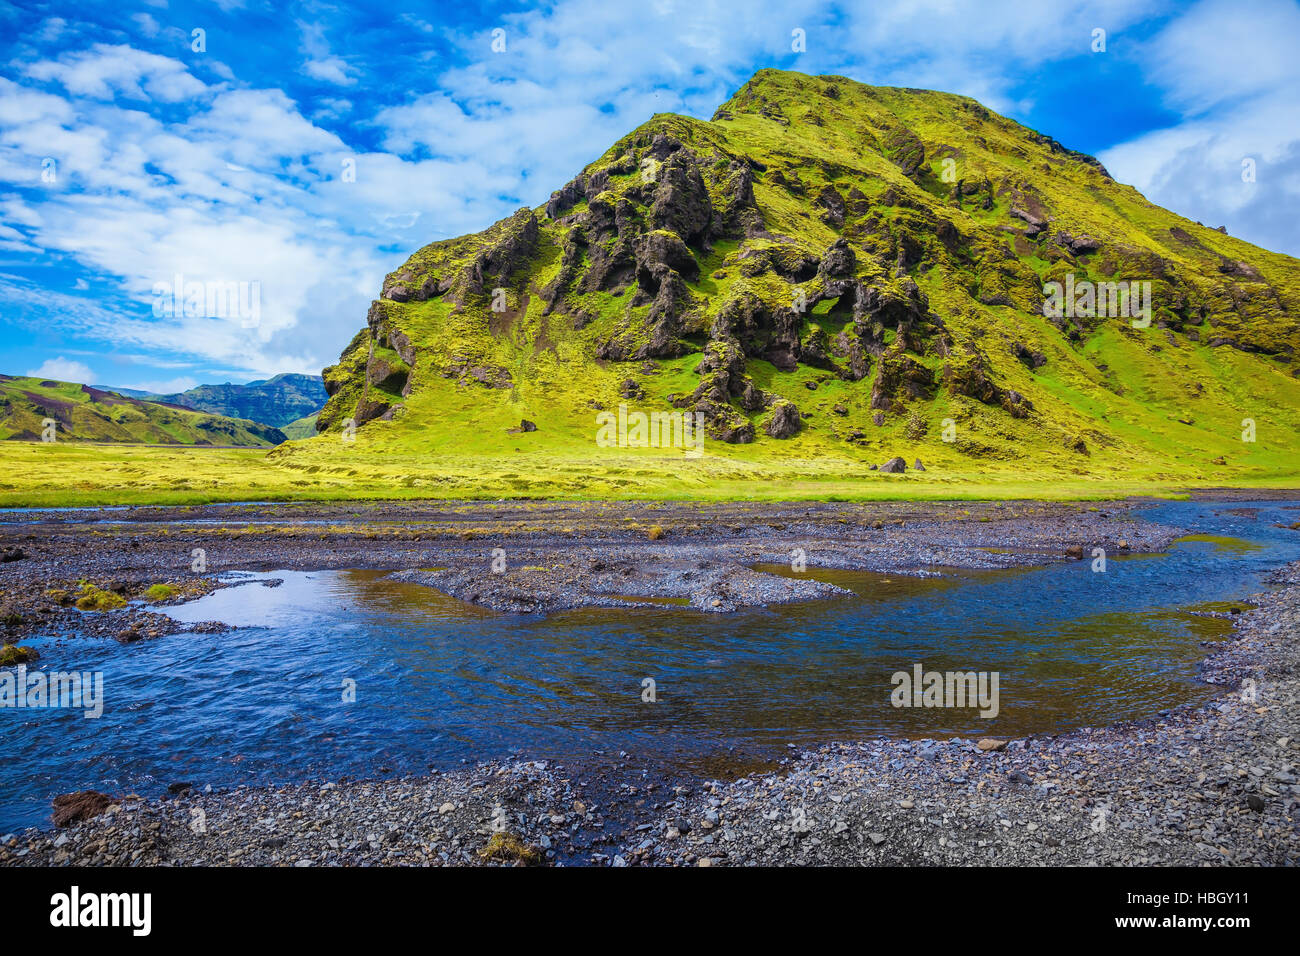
x=330, y=69
x=155, y=386
x=105, y=71
x=63, y=370
x=147, y=25
x=1235, y=76
x=321, y=64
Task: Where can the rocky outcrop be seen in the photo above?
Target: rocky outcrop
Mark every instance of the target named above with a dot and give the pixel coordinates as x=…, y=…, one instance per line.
x=658, y=252
x=514, y=241
x=970, y=377
x=739, y=215
x=838, y=264
x=832, y=206
x=900, y=378
x=785, y=421
x=466, y=372
x=722, y=379
x=658, y=335
x=905, y=150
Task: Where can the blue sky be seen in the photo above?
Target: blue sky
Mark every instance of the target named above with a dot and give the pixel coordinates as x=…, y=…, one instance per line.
x=128, y=156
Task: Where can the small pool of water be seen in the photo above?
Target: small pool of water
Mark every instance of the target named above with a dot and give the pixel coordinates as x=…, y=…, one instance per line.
x=350, y=673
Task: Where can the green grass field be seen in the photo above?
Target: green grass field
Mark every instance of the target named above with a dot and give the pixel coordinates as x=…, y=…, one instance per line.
x=324, y=469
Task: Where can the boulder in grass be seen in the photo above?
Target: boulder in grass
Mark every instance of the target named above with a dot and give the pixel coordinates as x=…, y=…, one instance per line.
x=895, y=466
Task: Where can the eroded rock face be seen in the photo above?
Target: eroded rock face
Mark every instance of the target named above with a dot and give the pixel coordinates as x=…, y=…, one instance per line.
x=787, y=260
x=404, y=286
x=681, y=199
x=740, y=215
x=815, y=349
x=723, y=378
x=387, y=372
x=839, y=261
x=564, y=198
x=833, y=208
x=488, y=376
x=858, y=359
x=515, y=241
x=371, y=407
x=972, y=379
x=905, y=150
x=658, y=336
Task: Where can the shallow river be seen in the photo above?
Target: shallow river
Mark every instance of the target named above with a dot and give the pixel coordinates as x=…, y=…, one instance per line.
x=439, y=683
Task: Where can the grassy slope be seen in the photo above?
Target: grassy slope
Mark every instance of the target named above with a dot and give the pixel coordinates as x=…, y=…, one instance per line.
x=304, y=427
x=1157, y=408
x=89, y=415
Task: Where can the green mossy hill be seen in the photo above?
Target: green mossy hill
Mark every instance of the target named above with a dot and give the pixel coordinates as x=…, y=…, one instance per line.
x=826, y=270
x=85, y=414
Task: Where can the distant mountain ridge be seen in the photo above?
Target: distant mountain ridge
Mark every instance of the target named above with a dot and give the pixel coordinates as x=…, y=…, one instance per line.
x=277, y=401
x=36, y=409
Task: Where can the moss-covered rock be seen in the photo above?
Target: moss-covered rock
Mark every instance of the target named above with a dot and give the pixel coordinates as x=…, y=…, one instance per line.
x=13, y=654
x=505, y=847
x=93, y=598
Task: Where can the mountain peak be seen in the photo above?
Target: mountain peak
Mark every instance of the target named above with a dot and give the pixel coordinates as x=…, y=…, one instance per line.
x=835, y=266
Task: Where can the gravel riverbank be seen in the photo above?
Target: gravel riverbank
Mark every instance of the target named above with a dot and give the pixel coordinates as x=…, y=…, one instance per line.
x=523, y=558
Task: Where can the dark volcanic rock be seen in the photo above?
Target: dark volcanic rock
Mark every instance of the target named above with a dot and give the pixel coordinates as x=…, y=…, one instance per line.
x=833, y=208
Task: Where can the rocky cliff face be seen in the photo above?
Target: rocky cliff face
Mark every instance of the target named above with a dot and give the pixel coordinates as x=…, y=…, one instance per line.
x=833, y=263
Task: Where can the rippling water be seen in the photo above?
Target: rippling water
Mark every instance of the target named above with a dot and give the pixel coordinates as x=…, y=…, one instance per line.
x=439, y=682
